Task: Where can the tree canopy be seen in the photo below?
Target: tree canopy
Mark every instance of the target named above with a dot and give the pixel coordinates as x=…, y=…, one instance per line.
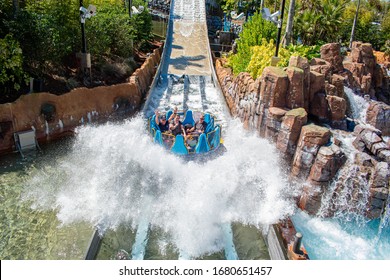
x=46, y=35
x=315, y=23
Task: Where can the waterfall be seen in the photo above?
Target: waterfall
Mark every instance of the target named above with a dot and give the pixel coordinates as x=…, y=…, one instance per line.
x=358, y=105
x=333, y=239
x=347, y=195
x=385, y=220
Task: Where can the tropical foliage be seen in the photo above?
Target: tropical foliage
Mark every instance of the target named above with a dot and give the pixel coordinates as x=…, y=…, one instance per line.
x=315, y=23
x=254, y=31
x=11, y=59
x=320, y=21
x=48, y=34
x=261, y=58
x=323, y=21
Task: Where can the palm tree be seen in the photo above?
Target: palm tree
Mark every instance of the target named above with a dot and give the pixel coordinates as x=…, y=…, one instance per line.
x=307, y=25
x=354, y=24
x=331, y=19
x=290, y=20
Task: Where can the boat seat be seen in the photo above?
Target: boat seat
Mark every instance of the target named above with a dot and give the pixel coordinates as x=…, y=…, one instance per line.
x=188, y=119
x=210, y=125
x=207, y=118
x=158, y=137
x=216, y=138
x=179, y=147
x=202, y=146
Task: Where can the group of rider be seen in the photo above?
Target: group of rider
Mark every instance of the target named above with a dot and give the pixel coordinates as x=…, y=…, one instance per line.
x=176, y=127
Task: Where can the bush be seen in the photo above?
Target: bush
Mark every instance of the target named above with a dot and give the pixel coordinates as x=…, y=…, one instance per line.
x=11, y=65
x=254, y=31
x=262, y=55
x=261, y=58
x=386, y=48
x=109, y=32
x=142, y=30
x=309, y=52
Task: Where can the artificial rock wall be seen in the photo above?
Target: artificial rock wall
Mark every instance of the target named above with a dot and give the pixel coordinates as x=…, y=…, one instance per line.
x=279, y=104
x=52, y=116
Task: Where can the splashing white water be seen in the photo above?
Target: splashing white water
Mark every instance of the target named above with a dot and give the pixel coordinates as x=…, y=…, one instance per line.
x=112, y=167
x=358, y=105
x=329, y=240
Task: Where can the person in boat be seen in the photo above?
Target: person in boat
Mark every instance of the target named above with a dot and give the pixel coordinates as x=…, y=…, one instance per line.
x=199, y=127
x=176, y=127
x=162, y=122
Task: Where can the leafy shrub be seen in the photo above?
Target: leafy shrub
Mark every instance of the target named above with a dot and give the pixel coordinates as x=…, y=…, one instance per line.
x=262, y=54
x=108, y=33
x=261, y=58
x=142, y=30
x=309, y=52
x=386, y=48
x=254, y=31
x=11, y=65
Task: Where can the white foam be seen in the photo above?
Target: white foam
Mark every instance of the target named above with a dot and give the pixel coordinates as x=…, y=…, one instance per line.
x=328, y=239
x=112, y=167
x=358, y=105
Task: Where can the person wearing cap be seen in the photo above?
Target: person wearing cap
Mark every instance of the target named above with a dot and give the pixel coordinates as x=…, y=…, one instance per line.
x=162, y=122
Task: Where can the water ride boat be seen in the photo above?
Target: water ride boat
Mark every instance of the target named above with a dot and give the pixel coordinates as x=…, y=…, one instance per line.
x=188, y=144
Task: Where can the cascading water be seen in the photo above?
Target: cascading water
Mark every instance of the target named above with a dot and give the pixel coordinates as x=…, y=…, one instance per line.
x=111, y=168
x=330, y=239
x=348, y=194
x=358, y=105
x=114, y=178
x=348, y=234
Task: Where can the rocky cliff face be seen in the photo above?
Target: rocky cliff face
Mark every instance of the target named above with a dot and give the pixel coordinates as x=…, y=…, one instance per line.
x=51, y=116
x=283, y=103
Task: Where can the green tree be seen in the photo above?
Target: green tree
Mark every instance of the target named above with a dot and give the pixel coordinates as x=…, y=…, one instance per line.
x=11, y=66
x=142, y=30
x=370, y=26
x=319, y=21
x=331, y=19
x=254, y=31
x=109, y=32
x=307, y=26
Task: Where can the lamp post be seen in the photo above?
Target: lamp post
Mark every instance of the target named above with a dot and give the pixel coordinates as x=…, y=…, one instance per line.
x=82, y=21
x=280, y=23
x=84, y=56
x=130, y=4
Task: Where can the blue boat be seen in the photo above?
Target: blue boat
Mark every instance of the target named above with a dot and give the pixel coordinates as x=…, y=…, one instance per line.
x=196, y=146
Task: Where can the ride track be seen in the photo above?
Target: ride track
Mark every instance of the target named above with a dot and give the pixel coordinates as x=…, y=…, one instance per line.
x=186, y=79
x=186, y=58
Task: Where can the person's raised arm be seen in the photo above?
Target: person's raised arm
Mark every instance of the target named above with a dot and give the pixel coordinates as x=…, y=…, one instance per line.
x=173, y=114
x=156, y=120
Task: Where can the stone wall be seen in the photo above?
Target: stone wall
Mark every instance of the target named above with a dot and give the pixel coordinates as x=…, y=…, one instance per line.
x=279, y=104
x=368, y=76
x=53, y=116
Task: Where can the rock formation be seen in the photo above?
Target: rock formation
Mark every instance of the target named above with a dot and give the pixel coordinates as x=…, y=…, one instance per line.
x=282, y=103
